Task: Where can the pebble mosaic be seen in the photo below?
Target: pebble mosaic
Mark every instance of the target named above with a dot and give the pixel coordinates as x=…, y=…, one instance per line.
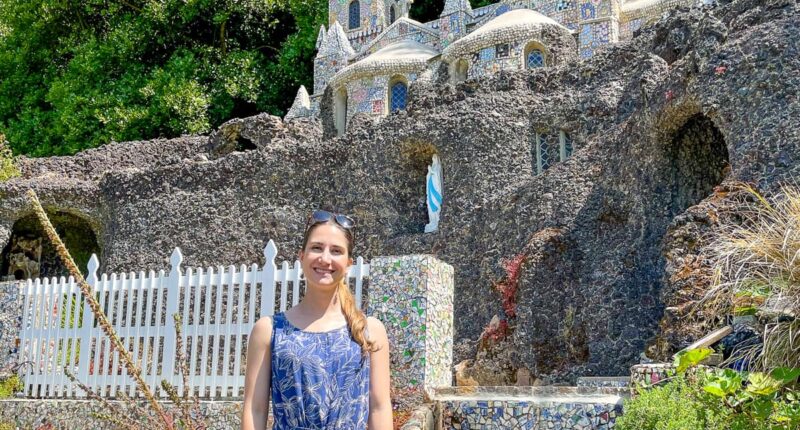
x=79, y=414
x=528, y=415
x=404, y=31
x=646, y=375
x=413, y=297
x=604, y=382
x=10, y=320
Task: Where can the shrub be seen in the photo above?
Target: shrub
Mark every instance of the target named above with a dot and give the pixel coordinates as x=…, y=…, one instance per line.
x=8, y=168
x=671, y=406
x=758, y=262
x=9, y=386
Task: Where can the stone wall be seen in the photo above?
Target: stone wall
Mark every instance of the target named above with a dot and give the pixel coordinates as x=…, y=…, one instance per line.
x=10, y=320
x=80, y=414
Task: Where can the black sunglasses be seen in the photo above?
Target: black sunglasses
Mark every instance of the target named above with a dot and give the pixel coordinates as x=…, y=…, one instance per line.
x=320, y=216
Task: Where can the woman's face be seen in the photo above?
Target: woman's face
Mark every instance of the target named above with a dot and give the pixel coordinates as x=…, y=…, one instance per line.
x=324, y=259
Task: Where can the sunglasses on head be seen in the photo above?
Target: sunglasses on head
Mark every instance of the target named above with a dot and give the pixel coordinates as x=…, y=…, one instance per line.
x=320, y=216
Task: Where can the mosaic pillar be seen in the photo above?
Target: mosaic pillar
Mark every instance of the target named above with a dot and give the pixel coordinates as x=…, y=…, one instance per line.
x=413, y=296
x=10, y=320
x=599, y=25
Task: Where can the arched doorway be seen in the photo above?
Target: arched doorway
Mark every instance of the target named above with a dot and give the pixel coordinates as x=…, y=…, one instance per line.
x=460, y=71
x=29, y=254
x=698, y=159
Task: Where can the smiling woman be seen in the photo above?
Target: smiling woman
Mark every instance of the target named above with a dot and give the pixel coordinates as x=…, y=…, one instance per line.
x=323, y=363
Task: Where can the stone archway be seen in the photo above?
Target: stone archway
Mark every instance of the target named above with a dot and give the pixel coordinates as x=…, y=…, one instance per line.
x=699, y=161
x=29, y=254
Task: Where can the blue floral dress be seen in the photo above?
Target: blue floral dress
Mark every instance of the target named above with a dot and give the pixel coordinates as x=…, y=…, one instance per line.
x=320, y=381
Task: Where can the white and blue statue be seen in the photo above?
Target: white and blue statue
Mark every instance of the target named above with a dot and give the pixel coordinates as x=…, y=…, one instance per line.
x=433, y=188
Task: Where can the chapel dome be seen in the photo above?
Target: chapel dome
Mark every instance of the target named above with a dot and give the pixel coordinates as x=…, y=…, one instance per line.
x=405, y=56
x=512, y=26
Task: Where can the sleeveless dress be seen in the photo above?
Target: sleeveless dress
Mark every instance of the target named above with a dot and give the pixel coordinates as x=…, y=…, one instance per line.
x=320, y=381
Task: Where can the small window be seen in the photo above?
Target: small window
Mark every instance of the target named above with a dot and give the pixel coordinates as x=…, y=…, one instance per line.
x=565, y=145
x=542, y=152
x=354, y=15
x=398, y=95
x=562, y=5
x=534, y=59
x=502, y=50
x=392, y=14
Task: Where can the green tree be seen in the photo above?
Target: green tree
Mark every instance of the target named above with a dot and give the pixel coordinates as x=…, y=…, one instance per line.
x=77, y=74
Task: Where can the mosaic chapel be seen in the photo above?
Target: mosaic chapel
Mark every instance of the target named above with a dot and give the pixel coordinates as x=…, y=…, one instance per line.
x=372, y=51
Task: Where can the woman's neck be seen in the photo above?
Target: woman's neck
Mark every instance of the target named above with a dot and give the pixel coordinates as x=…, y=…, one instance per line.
x=320, y=302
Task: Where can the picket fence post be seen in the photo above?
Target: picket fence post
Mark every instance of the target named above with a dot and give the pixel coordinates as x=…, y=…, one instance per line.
x=173, y=295
x=87, y=323
x=268, y=280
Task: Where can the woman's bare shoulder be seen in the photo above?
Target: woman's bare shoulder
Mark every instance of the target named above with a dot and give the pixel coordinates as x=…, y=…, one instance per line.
x=376, y=329
x=262, y=330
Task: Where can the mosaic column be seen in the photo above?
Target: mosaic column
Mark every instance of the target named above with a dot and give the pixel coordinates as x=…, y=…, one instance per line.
x=598, y=25
x=10, y=325
x=413, y=296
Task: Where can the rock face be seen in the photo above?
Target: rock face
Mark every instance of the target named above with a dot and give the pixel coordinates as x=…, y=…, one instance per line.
x=706, y=96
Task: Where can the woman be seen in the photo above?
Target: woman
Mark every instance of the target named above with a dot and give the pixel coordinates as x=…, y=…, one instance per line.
x=324, y=364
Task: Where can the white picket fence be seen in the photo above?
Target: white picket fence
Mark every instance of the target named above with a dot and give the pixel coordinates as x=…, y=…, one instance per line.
x=218, y=307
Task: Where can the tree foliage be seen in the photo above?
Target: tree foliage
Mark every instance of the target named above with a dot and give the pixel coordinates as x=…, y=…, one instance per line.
x=77, y=74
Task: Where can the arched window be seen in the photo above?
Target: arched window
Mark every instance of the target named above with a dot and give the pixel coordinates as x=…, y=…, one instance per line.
x=460, y=71
x=340, y=111
x=354, y=15
x=565, y=145
x=542, y=152
x=392, y=14
x=398, y=92
x=534, y=56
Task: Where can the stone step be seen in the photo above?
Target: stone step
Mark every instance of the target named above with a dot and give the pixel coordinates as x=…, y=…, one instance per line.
x=604, y=381
x=530, y=408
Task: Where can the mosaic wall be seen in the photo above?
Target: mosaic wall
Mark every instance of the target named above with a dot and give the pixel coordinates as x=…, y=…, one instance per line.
x=77, y=414
x=595, y=35
x=413, y=297
x=645, y=375
x=492, y=59
x=540, y=408
x=404, y=31
x=324, y=69
x=604, y=382
x=627, y=29
x=369, y=95
x=451, y=27
x=371, y=13
x=10, y=320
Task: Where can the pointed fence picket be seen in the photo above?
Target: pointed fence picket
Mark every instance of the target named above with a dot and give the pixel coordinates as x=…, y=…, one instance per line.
x=217, y=305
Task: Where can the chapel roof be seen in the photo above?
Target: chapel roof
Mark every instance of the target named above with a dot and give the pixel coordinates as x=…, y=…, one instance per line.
x=404, y=56
x=514, y=25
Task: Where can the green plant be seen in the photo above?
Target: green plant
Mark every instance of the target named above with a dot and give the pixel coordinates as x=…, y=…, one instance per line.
x=8, y=167
x=758, y=262
x=753, y=400
x=9, y=386
x=671, y=406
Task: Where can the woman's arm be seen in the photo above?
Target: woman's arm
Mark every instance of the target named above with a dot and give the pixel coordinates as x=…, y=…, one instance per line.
x=380, y=402
x=257, y=376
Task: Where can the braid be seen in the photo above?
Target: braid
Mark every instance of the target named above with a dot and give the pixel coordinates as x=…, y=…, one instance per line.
x=356, y=320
